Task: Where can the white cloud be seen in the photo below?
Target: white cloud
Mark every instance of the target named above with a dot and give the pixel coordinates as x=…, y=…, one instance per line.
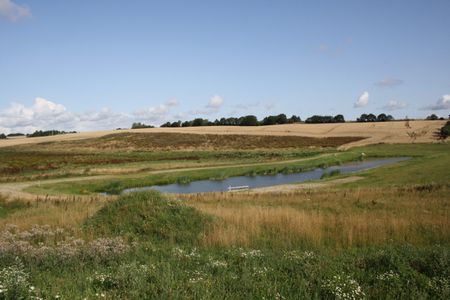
x=46, y=115
x=441, y=104
x=395, y=105
x=153, y=114
x=215, y=102
x=389, y=82
x=362, y=101
x=12, y=11
x=156, y=113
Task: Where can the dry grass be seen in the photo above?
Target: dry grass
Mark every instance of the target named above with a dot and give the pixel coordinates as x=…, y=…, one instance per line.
x=67, y=213
x=382, y=132
x=328, y=218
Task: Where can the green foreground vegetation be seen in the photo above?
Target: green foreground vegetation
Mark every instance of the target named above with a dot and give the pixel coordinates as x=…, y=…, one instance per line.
x=385, y=236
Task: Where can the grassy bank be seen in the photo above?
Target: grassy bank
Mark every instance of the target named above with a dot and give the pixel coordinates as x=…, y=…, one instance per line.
x=146, y=246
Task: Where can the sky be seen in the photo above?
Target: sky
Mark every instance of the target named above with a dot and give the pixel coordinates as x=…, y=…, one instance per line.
x=90, y=65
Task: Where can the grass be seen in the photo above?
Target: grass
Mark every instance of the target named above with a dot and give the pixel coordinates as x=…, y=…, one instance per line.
x=429, y=165
x=166, y=258
x=336, y=219
x=385, y=236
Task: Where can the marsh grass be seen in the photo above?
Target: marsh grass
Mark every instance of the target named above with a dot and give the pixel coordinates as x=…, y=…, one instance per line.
x=333, y=218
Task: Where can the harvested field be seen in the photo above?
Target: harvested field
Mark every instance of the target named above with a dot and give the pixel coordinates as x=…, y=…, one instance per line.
x=396, y=132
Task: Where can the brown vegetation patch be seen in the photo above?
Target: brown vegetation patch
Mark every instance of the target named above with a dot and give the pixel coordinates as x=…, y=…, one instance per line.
x=181, y=141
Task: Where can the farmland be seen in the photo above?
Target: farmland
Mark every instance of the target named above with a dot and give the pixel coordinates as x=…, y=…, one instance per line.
x=380, y=233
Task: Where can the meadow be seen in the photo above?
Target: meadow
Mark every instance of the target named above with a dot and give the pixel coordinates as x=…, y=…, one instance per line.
x=384, y=235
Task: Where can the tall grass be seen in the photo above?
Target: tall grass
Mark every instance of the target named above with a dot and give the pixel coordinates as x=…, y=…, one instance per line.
x=333, y=219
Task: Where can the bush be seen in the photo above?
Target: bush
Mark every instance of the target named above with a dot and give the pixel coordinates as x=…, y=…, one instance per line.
x=444, y=132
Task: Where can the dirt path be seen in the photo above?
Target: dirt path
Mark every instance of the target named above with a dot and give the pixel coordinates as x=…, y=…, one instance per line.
x=289, y=188
x=16, y=190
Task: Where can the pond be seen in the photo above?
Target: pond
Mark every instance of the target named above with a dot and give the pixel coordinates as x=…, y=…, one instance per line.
x=203, y=186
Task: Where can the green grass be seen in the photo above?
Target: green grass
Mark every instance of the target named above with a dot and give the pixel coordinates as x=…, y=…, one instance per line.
x=9, y=207
x=148, y=216
x=429, y=165
x=166, y=261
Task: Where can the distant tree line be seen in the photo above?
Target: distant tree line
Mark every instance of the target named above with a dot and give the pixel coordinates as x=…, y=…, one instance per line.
x=38, y=133
x=325, y=119
x=35, y=134
x=433, y=117
x=140, y=125
x=249, y=120
x=372, y=118
x=15, y=134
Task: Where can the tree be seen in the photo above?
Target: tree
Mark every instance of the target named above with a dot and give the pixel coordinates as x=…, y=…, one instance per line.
x=269, y=120
x=249, y=120
x=199, y=122
x=176, y=124
x=339, y=119
x=294, y=119
x=432, y=117
x=367, y=118
x=320, y=119
x=281, y=119
x=2, y=136
x=382, y=118
x=139, y=125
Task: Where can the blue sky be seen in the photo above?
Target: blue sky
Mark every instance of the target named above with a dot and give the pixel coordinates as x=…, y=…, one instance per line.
x=101, y=64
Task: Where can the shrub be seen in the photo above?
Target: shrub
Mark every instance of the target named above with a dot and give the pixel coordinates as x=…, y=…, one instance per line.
x=444, y=132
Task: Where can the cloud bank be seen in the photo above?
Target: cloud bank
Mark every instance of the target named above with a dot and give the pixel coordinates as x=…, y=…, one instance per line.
x=45, y=115
x=442, y=104
x=362, y=101
x=13, y=12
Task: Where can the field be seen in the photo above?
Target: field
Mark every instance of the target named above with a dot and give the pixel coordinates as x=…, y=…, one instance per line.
x=383, y=233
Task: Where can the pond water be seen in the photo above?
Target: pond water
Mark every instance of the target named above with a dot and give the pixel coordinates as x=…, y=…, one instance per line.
x=203, y=186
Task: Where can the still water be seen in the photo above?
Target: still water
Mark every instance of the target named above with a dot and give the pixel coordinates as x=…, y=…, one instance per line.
x=203, y=186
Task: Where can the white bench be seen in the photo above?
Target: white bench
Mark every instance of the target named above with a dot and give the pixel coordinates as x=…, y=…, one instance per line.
x=238, y=188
